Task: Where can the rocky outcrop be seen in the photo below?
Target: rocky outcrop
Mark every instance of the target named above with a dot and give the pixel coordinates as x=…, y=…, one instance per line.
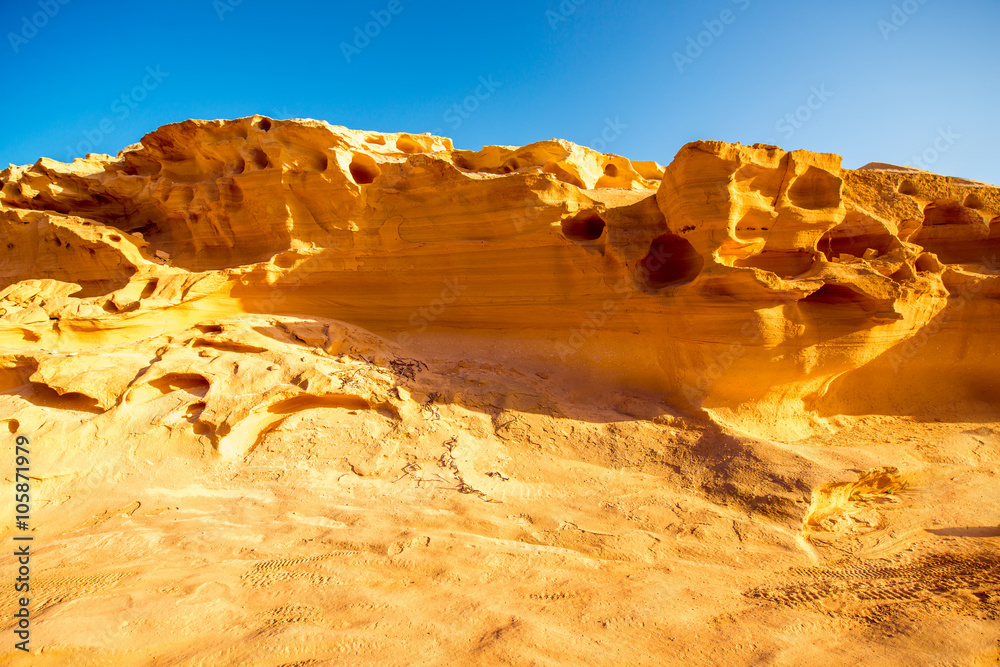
x=761, y=285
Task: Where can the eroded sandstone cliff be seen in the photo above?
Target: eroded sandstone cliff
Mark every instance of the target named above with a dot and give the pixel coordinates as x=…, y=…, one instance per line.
x=284, y=357
x=746, y=280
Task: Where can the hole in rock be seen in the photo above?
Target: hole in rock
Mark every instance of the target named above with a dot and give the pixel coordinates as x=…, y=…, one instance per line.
x=209, y=328
x=10, y=246
x=45, y=396
x=956, y=234
x=405, y=145
x=137, y=165
x=610, y=170
x=265, y=124
x=907, y=187
x=16, y=377
x=926, y=262
x=13, y=425
x=463, y=162
x=949, y=212
x=192, y=383
x=185, y=195
x=830, y=294
x=150, y=287
x=563, y=175
x=671, y=261
x=855, y=241
x=903, y=274
x=115, y=238
x=372, y=139
x=585, y=226
x=259, y=158
x=239, y=166
x=973, y=201
x=787, y=264
x=836, y=302
x=364, y=170
x=112, y=283
x=286, y=260
x=194, y=411
x=834, y=295
x=816, y=189
x=201, y=428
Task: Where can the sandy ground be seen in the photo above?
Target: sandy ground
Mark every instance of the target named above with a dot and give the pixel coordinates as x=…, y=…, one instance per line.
x=467, y=532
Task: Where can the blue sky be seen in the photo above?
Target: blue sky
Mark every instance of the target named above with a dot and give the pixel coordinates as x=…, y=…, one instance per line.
x=904, y=81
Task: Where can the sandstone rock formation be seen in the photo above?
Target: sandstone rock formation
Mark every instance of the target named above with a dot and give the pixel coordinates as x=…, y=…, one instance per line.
x=324, y=321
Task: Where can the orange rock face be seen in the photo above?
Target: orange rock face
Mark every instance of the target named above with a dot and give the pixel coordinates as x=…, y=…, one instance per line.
x=743, y=280
x=225, y=291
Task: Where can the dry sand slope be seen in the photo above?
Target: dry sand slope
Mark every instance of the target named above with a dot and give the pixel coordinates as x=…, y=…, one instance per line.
x=302, y=395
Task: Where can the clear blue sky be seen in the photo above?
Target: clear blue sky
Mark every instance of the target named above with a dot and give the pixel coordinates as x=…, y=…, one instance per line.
x=886, y=94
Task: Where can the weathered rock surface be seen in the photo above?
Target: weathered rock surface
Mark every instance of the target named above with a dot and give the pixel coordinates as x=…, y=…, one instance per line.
x=752, y=280
x=563, y=360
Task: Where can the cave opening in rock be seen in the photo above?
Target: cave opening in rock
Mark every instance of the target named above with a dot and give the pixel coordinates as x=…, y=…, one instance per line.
x=584, y=226
x=950, y=212
x=150, y=288
x=927, y=263
x=856, y=241
x=671, y=261
x=364, y=170
x=510, y=166
x=562, y=174
x=405, y=145
x=834, y=295
x=835, y=302
x=787, y=264
x=463, y=163
x=973, y=201
x=42, y=395
x=816, y=189
x=259, y=158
